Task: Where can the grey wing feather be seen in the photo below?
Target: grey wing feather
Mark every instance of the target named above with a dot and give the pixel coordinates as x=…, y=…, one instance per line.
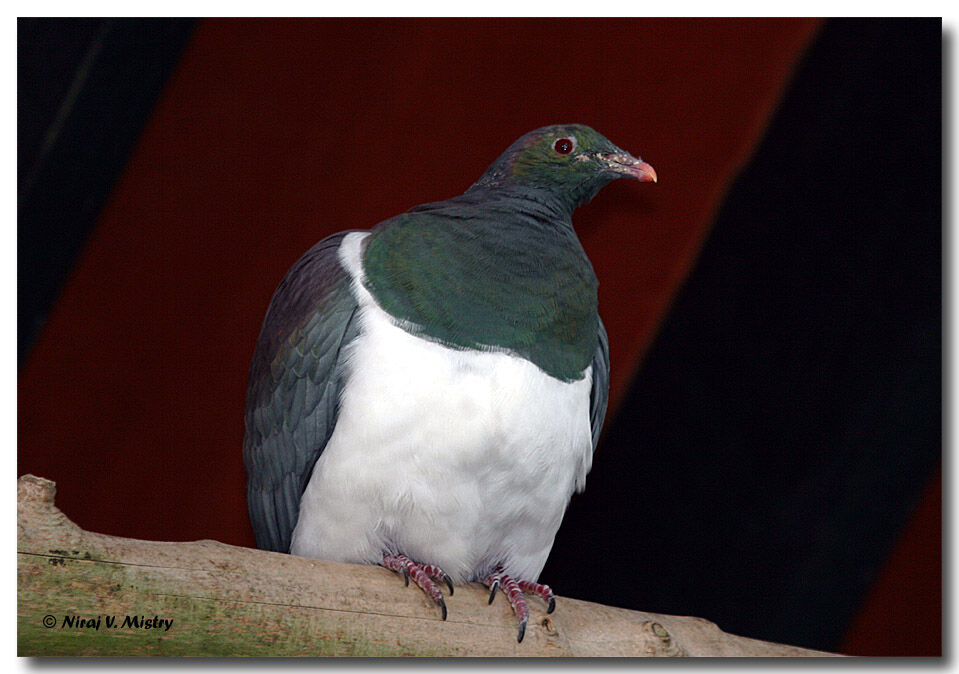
x=292, y=398
x=599, y=394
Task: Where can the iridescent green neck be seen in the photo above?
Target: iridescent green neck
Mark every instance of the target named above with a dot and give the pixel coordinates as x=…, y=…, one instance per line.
x=506, y=274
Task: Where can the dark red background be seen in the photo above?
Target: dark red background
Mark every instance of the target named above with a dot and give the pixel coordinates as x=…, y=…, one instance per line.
x=272, y=134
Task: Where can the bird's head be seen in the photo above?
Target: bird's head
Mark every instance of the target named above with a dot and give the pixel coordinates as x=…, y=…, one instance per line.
x=569, y=161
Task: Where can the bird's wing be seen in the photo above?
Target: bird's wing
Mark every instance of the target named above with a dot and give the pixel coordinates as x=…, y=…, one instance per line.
x=599, y=394
x=295, y=379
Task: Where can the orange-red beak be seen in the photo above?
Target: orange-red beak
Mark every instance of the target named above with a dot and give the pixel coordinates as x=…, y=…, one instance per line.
x=631, y=167
x=642, y=172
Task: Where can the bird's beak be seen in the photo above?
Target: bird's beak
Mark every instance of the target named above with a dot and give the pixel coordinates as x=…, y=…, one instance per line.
x=627, y=165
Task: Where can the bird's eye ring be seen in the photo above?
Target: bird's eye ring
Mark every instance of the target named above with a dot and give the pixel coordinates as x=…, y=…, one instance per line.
x=564, y=145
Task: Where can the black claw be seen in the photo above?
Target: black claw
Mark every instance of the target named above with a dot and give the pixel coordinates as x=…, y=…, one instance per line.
x=552, y=605
x=443, y=606
x=522, y=631
x=406, y=575
x=449, y=583
x=492, y=591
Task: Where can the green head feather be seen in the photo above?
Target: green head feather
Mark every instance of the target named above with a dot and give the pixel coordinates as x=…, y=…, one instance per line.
x=569, y=162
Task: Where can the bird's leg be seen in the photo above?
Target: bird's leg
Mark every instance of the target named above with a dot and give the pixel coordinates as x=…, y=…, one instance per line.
x=514, y=589
x=422, y=575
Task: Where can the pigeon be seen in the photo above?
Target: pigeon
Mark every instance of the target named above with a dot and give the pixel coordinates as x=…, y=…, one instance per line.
x=427, y=395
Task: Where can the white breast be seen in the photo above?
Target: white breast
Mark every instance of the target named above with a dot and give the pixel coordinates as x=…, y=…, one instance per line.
x=456, y=458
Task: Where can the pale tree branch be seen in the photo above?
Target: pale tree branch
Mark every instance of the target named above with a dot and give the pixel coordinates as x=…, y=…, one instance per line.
x=224, y=600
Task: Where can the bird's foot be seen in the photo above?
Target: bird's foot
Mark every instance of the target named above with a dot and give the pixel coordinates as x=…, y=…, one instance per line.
x=514, y=590
x=422, y=575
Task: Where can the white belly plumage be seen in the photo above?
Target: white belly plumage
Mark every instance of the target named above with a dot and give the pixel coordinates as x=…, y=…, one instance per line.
x=462, y=459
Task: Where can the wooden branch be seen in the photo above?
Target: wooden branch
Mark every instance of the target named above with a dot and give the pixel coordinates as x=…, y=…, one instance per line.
x=82, y=593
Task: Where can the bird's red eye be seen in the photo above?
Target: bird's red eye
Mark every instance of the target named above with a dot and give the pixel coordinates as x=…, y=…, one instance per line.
x=564, y=145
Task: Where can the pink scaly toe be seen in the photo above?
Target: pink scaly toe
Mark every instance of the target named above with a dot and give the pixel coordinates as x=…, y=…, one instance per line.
x=422, y=575
x=514, y=589
x=539, y=590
